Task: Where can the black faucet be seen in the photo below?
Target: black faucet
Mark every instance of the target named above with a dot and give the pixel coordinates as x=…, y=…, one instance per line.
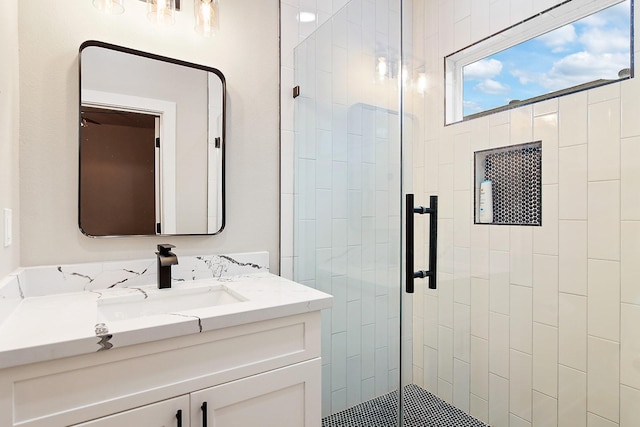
x=166, y=259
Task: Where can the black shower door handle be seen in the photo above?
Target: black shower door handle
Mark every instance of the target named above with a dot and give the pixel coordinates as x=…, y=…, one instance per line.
x=432, y=210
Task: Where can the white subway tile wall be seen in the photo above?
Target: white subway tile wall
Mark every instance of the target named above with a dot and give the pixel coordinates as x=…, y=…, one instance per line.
x=560, y=300
x=542, y=321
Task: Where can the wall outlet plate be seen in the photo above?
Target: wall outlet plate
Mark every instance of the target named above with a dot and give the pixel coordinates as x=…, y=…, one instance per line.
x=8, y=227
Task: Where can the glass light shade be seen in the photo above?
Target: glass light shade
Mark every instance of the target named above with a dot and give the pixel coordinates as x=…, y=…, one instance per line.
x=161, y=11
x=114, y=7
x=206, y=16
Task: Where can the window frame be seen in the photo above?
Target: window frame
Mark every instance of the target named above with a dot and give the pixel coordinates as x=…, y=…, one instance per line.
x=564, y=13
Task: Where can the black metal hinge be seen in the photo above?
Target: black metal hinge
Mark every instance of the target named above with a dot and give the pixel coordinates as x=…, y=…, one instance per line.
x=157, y=142
x=158, y=228
x=296, y=92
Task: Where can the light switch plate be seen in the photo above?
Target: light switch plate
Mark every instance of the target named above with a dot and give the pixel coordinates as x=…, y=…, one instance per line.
x=7, y=227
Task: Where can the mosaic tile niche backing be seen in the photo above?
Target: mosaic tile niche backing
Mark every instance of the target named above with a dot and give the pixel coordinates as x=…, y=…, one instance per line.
x=515, y=173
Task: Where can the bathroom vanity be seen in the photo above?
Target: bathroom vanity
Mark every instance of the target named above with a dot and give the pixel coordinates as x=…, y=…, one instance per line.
x=228, y=350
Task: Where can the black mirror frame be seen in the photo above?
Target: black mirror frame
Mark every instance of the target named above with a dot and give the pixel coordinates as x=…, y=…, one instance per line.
x=95, y=43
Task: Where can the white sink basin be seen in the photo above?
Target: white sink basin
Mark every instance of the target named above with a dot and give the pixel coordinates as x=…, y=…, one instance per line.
x=155, y=301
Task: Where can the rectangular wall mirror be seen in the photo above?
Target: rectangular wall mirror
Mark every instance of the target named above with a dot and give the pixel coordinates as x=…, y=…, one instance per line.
x=152, y=138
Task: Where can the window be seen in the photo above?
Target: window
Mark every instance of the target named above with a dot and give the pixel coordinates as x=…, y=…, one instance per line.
x=576, y=45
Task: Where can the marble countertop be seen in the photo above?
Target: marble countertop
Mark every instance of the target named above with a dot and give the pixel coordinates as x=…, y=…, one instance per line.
x=47, y=327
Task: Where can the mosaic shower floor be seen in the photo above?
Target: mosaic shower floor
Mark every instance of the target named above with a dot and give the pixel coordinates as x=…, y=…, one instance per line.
x=422, y=409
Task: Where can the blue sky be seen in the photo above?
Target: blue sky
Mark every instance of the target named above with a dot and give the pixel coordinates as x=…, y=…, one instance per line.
x=595, y=47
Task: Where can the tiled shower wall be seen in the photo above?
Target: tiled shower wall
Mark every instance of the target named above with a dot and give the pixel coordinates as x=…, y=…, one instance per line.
x=530, y=325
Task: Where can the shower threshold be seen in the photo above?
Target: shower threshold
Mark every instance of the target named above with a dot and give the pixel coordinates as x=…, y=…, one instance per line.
x=421, y=409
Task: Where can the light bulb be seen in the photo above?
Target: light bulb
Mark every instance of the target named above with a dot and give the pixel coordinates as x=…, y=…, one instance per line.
x=206, y=16
x=161, y=11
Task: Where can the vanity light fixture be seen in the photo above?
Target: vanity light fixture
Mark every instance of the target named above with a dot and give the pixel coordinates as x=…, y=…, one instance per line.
x=206, y=16
x=162, y=12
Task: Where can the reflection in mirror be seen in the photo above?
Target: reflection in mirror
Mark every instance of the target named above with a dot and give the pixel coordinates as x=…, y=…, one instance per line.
x=118, y=172
x=151, y=144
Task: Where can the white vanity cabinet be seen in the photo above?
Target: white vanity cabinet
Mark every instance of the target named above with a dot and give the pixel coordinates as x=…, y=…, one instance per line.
x=264, y=373
x=283, y=397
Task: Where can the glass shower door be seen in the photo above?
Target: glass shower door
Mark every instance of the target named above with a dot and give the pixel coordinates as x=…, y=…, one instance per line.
x=348, y=203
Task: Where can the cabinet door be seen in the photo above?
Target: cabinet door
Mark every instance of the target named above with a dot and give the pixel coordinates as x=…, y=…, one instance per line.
x=288, y=396
x=168, y=413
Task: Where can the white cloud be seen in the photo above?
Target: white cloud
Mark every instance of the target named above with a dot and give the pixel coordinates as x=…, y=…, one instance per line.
x=594, y=20
x=524, y=77
x=483, y=69
x=492, y=87
x=471, y=107
x=616, y=13
x=597, y=40
x=582, y=67
x=604, y=52
x=558, y=39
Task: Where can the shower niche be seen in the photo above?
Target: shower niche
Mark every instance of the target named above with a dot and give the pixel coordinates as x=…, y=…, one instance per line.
x=508, y=185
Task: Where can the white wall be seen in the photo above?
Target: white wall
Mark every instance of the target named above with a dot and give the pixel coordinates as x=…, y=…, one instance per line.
x=9, y=104
x=245, y=50
x=530, y=325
